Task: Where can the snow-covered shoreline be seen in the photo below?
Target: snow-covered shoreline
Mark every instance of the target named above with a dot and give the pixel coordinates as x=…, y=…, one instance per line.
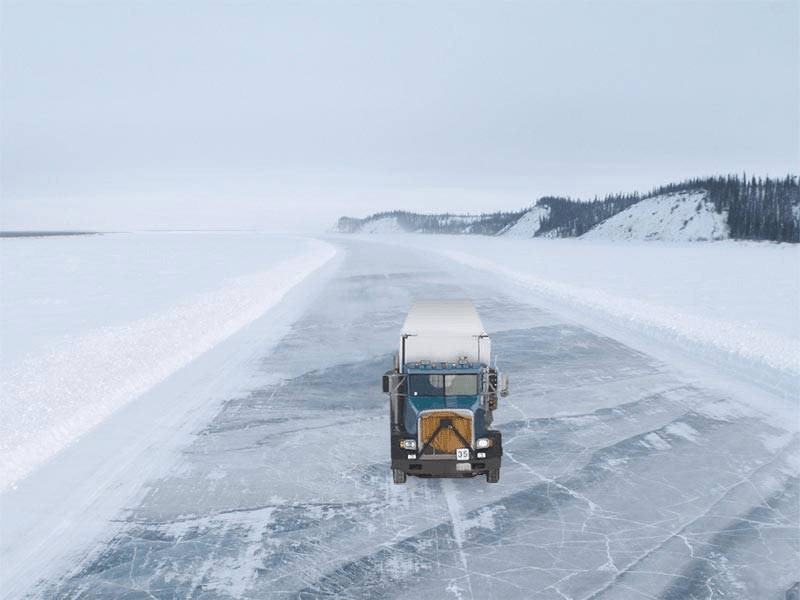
x=63, y=387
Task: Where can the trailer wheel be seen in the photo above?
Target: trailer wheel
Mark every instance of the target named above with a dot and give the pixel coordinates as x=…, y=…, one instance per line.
x=493, y=476
x=399, y=475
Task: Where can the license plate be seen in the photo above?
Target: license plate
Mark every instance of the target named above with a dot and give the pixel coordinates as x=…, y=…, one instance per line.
x=463, y=466
x=462, y=453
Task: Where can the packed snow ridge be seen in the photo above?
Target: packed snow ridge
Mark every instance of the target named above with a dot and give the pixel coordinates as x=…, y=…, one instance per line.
x=54, y=395
x=748, y=342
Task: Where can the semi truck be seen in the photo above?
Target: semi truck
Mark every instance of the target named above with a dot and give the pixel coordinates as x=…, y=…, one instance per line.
x=443, y=391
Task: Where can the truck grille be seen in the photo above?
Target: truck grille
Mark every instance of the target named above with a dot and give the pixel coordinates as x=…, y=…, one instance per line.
x=446, y=441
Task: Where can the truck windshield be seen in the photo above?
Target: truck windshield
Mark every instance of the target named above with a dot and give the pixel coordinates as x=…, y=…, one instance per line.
x=444, y=385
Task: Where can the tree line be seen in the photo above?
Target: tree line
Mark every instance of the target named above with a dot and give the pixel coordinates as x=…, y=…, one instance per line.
x=757, y=209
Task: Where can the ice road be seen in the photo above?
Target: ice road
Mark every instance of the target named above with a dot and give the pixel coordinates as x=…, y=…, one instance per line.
x=622, y=477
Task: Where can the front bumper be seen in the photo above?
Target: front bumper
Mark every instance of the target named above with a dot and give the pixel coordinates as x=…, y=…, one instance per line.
x=447, y=467
x=441, y=467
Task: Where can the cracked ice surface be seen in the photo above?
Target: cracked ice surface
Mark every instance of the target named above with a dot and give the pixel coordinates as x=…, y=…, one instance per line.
x=620, y=479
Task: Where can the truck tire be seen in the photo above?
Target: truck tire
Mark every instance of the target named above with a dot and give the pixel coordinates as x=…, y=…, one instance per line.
x=399, y=475
x=493, y=476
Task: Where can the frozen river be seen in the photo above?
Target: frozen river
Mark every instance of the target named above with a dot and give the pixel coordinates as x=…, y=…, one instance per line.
x=621, y=478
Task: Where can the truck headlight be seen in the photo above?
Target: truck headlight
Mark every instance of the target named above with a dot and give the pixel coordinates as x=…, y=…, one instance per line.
x=484, y=442
x=410, y=444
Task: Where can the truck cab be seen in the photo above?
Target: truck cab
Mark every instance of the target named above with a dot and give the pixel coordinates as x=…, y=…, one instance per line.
x=443, y=393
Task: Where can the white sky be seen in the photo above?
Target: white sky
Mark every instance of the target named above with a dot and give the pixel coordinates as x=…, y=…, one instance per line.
x=119, y=115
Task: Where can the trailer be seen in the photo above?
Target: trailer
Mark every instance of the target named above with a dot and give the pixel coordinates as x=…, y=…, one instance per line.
x=443, y=391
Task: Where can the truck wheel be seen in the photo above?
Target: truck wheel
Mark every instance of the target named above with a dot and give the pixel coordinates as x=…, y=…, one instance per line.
x=493, y=476
x=399, y=475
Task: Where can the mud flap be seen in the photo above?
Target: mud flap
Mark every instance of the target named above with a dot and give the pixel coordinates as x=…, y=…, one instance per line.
x=399, y=475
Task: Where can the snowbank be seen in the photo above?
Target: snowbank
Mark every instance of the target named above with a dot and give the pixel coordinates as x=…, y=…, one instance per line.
x=64, y=387
x=744, y=340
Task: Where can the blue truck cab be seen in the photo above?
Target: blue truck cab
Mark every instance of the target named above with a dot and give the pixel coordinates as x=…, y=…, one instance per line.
x=441, y=410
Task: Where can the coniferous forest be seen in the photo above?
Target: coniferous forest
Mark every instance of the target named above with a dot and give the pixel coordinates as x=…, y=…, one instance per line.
x=571, y=218
x=757, y=209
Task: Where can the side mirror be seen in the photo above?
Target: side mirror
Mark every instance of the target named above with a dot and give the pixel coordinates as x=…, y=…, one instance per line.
x=503, y=385
x=385, y=384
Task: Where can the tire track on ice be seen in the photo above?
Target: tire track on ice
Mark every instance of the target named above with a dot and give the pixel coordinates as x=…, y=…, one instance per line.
x=454, y=508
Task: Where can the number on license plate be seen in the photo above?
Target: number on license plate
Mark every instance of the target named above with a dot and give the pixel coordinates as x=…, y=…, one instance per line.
x=462, y=453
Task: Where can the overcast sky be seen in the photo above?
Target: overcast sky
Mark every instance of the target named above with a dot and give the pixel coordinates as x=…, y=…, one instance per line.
x=276, y=114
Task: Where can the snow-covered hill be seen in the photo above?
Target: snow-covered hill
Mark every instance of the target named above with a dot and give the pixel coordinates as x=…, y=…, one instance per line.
x=713, y=208
x=678, y=217
x=528, y=224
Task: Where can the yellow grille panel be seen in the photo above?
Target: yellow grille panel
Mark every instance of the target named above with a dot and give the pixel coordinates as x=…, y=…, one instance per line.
x=446, y=440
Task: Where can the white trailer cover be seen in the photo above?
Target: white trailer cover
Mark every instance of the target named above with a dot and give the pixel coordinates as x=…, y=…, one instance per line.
x=442, y=330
